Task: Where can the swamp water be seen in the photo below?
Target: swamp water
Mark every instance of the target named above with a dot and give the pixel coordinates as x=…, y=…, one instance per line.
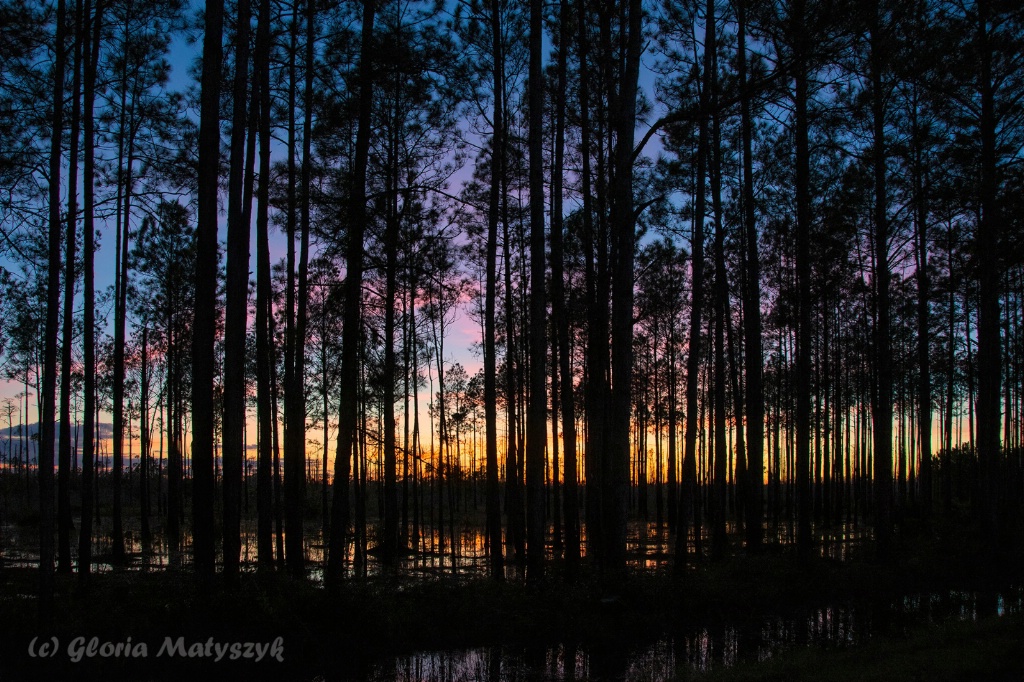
x=462, y=555
x=694, y=648
x=688, y=648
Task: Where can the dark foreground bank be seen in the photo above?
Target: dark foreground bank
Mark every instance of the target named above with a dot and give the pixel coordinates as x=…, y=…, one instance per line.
x=163, y=625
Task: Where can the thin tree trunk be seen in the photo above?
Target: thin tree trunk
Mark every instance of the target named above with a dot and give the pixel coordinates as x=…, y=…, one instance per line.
x=594, y=375
x=753, y=357
x=278, y=486
x=513, y=452
x=291, y=224
x=389, y=539
x=416, y=489
x=690, y=504
x=803, y=276
x=325, y=518
x=558, y=311
x=295, y=404
x=536, y=430
x=493, y=503
x=740, y=483
x=554, y=489
x=883, y=406
x=719, y=487
x=348, y=413
x=144, y=440
x=672, y=478
x=173, y=382
x=64, y=466
x=924, y=390
x=601, y=317
x=264, y=312
x=237, y=304
x=120, y=315
x=48, y=397
x=91, y=42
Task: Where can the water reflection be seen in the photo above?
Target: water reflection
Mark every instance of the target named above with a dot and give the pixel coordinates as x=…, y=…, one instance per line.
x=491, y=664
x=459, y=551
x=695, y=648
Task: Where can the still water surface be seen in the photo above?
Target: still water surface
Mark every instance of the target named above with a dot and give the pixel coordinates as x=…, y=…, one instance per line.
x=462, y=554
x=695, y=647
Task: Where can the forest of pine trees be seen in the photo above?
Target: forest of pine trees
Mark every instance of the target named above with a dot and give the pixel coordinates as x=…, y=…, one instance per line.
x=736, y=273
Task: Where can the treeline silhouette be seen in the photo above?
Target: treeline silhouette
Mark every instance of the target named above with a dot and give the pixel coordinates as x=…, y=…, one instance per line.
x=733, y=267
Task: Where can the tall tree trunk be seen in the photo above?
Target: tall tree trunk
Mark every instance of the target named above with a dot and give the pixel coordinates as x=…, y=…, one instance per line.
x=301, y=315
x=493, y=504
x=348, y=413
x=623, y=225
x=924, y=387
x=558, y=311
x=600, y=317
x=295, y=397
x=237, y=307
x=48, y=398
x=264, y=302
x=987, y=244
x=64, y=466
x=536, y=427
x=883, y=406
x=91, y=43
x=803, y=276
x=721, y=293
x=753, y=357
x=597, y=333
x=291, y=224
x=689, y=509
x=204, y=326
x=120, y=321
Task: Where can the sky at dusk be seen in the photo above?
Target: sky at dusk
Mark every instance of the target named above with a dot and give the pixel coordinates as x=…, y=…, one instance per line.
x=464, y=334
